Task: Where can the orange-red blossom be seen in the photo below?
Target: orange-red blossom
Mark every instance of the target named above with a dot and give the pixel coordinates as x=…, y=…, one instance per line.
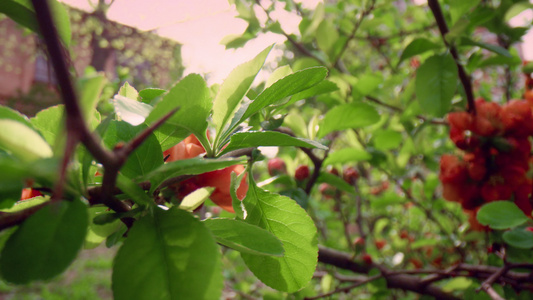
x=495, y=160
x=219, y=179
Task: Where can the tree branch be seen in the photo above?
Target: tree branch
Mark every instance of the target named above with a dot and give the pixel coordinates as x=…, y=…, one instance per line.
x=465, y=79
x=400, y=281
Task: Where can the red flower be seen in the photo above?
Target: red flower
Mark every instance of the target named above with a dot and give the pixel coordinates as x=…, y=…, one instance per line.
x=29, y=193
x=219, y=179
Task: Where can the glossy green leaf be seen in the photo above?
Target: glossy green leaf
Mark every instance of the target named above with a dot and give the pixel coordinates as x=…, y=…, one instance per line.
x=22, y=141
x=519, y=238
x=192, y=97
x=244, y=237
x=131, y=111
x=285, y=87
x=417, y=46
x=168, y=255
x=191, y=166
x=286, y=220
x=347, y=155
x=46, y=243
x=345, y=116
x=50, y=122
x=193, y=200
x=501, y=215
x=436, y=82
x=234, y=88
x=268, y=138
x=147, y=157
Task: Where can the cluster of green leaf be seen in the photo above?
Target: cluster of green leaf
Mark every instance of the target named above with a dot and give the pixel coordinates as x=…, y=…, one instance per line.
x=375, y=113
x=174, y=253
x=396, y=79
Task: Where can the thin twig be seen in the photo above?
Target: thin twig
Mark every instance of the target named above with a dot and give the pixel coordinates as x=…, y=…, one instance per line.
x=359, y=208
x=400, y=110
x=126, y=150
x=360, y=20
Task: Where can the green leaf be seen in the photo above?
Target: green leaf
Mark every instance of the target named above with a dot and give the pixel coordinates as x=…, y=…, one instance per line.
x=147, y=157
x=98, y=233
x=90, y=89
x=417, y=46
x=284, y=218
x=50, y=123
x=9, y=113
x=244, y=237
x=326, y=36
x=519, y=238
x=46, y=243
x=235, y=183
x=234, y=88
x=459, y=8
x=22, y=12
x=278, y=74
x=457, y=30
x=193, y=200
x=149, y=94
x=168, y=255
x=336, y=181
x=323, y=87
x=387, y=139
x=368, y=83
x=347, y=155
x=457, y=284
x=134, y=191
x=345, y=116
x=516, y=9
x=22, y=205
x=10, y=192
x=126, y=90
x=131, y=111
x=191, y=166
x=501, y=215
x=494, y=48
x=285, y=87
x=191, y=95
x=436, y=81
x=21, y=141
x=268, y=138
x=62, y=21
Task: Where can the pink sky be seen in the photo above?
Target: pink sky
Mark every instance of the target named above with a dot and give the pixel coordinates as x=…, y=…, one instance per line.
x=200, y=25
